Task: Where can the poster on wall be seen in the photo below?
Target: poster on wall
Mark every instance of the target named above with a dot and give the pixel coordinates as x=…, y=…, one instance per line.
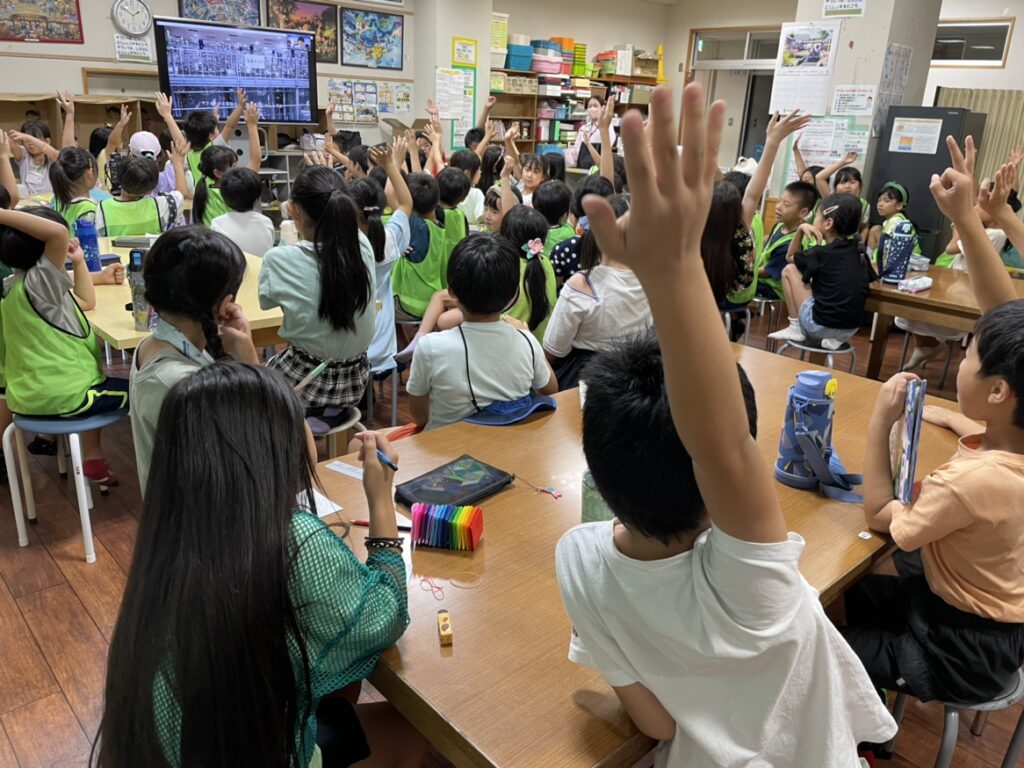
x=394, y=98
x=836, y=8
x=913, y=136
x=319, y=18
x=803, y=70
x=826, y=140
x=895, y=73
x=41, y=21
x=854, y=100
x=357, y=101
x=372, y=39
x=245, y=13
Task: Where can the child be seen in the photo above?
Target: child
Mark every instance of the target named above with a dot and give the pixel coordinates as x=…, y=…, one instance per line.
x=805, y=173
x=133, y=211
x=952, y=626
x=242, y=190
x=746, y=668
x=826, y=286
x=73, y=177
x=8, y=184
x=590, y=130
x=253, y=600
x=893, y=198
x=453, y=187
x=526, y=229
x=846, y=179
x=565, y=257
x=192, y=277
x=597, y=306
x=490, y=167
x=33, y=152
x=469, y=163
x=551, y=200
x=422, y=271
x=199, y=131
x=458, y=372
x=494, y=205
x=213, y=164
x=530, y=176
x=797, y=201
x=50, y=354
x=554, y=166
x=324, y=285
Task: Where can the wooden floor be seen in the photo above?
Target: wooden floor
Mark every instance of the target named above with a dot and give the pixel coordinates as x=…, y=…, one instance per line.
x=57, y=614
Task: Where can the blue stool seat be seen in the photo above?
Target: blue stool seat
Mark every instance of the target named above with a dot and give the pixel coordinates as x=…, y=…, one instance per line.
x=50, y=425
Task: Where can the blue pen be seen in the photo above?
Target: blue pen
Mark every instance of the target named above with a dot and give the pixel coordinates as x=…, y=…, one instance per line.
x=386, y=461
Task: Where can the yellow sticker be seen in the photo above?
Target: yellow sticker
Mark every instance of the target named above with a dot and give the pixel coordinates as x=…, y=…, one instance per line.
x=832, y=389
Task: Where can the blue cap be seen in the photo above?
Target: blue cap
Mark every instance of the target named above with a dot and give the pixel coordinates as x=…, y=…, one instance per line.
x=511, y=412
x=812, y=383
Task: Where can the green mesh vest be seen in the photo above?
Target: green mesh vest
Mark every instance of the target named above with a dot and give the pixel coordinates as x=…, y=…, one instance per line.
x=455, y=227
x=557, y=235
x=139, y=217
x=215, y=205
x=75, y=210
x=48, y=370
x=415, y=283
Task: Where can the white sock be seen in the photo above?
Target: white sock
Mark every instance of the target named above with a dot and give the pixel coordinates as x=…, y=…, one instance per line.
x=794, y=322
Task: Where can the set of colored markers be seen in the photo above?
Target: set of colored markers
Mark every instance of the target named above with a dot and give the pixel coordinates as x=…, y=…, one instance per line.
x=447, y=527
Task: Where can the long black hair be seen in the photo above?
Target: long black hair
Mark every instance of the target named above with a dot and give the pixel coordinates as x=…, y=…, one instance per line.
x=369, y=199
x=207, y=614
x=725, y=218
x=590, y=253
x=189, y=271
x=67, y=171
x=212, y=160
x=521, y=225
x=490, y=167
x=344, y=278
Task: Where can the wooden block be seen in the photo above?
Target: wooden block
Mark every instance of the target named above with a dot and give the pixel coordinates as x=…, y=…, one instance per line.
x=73, y=646
x=444, y=627
x=24, y=676
x=46, y=733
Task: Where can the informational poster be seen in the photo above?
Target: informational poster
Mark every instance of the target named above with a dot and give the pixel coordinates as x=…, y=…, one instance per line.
x=463, y=52
x=836, y=8
x=803, y=70
x=854, y=100
x=826, y=140
x=915, y=136
x=356, y=100
x=456, y=93
x=394, y=98
x=895, y=71
x=132, y=48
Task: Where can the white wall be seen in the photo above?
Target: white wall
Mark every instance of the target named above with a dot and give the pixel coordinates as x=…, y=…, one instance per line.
x=1008, y=77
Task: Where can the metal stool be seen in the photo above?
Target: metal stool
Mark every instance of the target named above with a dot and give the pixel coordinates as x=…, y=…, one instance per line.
x=775, y=310
x=71, y=429
x=815, y=347
x=950, y=343
x=1010, y=697
x=727, y=319
x=350, y=418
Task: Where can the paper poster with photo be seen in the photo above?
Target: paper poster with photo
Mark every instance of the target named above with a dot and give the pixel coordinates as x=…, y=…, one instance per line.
x=835, y=8
x=854, y=100
x=803, y=70
x=826, y=140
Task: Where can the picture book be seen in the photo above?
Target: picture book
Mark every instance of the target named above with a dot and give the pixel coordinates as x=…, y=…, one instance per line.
x=905, y=440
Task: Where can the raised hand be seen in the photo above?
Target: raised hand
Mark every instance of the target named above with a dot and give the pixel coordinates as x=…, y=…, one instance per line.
x=954, y=189
x=319, y=158
x=604, y=122
x=252, y=113
x=126, y=116
x=506, y=167
x=994, y=194
x=240, y=98
x=179, y=151
x=399, y=149
x=431, y=108
x=491, y=101
x=164, y=106
x=850, y=157
x=781, y=127
x=5, y=145
x=381, y=155
x=512, y=134
x=66, y=101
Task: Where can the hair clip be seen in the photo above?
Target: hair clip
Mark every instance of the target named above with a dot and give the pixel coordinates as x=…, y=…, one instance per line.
x=371, y=208
x=533, y=248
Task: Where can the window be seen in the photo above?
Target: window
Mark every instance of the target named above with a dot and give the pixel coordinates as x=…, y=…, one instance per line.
x=734, y=48
x=972, y=43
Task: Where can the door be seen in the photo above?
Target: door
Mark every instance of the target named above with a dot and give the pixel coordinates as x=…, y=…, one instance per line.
x=755, y=116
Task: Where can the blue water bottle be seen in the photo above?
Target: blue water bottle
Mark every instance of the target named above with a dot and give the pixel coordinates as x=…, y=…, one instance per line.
x=85, y=231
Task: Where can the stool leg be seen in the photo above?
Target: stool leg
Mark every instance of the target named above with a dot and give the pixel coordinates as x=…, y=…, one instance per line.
x=945, y=368
x=26, y=476
x=82, y=492
x=853, y=359
x=106, y=352
x=874, y=327
x=903, y=354
x=897, y=714
x=1016, y=745
x=396, y=381
x=12, y=478
x=980, y=721
x=62, y=459
x=950, y=724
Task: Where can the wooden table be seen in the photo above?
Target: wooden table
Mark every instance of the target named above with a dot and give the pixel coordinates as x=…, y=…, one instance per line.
x=115, y=325
x=505, y=694
x=949, y=302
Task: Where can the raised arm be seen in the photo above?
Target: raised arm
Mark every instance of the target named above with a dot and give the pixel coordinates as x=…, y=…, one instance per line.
x=485, y=112
x=663, y=249
x=604, y=126
x=822, y=179
x=954, y=193
x=252, y=124
x=53, y=233
x=778, y=129
x=7, y=180
x=67, y=103
x=508, y=197
x=414, y=151
x=178, y=154
x=117, y=134
x=489, y=134
x=84, y=289
x=511, y=135
x=798, y=158
x=164, y=108
x=49, y=150
x=993, y=200
x=385, y=158
x=236, y=114
x=434, y=162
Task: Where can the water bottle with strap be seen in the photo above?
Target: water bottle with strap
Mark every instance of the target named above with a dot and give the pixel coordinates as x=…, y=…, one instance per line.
x=896, y=252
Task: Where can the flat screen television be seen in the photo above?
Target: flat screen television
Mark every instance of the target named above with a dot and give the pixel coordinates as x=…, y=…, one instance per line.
x=201, y=64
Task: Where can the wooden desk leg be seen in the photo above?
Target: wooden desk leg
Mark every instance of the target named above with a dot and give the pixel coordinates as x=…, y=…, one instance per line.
x=878, y=346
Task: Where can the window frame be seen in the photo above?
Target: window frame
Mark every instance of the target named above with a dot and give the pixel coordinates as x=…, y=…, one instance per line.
x=1008, y=21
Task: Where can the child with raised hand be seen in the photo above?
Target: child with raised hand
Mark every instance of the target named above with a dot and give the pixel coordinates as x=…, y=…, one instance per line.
x=324, y=285
x=192, y=277
x=8, y=184
x=134, y=211
x=827, y=284
x=565, y=256
x=526, y=229
x=73, y=176
x=453, y=188
x=50, y=354
x=241, y=606
x=33, y=152
x=952, y=628
x=242, y=191
x=422, y=270
x=846, y=179
x=756, y=679
x=199, y=131
x=795, y=205
x=530, y=168
x=598, y=306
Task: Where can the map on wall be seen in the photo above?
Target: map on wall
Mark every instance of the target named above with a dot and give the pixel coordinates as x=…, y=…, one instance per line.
x=371, y=39
x=245, y=13
x=41, y=21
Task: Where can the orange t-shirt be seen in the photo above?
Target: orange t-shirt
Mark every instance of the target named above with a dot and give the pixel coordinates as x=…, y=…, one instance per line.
x=968, y=523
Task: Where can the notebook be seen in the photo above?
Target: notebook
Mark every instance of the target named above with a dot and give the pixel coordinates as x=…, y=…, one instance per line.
x=460, y=482
x=904, y=442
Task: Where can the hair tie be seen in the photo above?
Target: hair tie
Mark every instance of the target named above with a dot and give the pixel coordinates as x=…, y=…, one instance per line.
x=371, y=208
x=533, y=248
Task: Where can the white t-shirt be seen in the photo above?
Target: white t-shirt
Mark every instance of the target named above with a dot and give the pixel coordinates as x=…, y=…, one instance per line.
x=617, y=308
x=163, y=207
x=251, y=231
x=731, y=640
x=384, y=345
x=473, y=206
x=504, y=365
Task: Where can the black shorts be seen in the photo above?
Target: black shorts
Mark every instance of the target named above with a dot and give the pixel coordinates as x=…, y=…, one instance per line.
x=105, y=397
x=339, y=734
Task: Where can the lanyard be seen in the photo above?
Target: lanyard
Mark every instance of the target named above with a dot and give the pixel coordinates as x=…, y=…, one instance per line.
x=167, y=333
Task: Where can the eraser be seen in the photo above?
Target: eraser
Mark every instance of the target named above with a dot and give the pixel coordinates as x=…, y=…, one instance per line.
x=444, y=627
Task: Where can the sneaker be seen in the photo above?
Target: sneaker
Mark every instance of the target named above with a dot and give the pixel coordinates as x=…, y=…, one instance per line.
x=99, y=472
x=832, y=344
x=790, y=333
x=40, y=446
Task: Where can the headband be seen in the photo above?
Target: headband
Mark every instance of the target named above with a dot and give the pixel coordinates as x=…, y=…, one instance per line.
x=899, y=188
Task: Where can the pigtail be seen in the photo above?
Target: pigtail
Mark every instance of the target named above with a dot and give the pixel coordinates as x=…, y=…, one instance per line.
x=212, y=333
x=200, y=200
x=369, y=199
x=375, y=231
x=67, y=171
x=344, y=279
x=63, y=193
x=536, y=290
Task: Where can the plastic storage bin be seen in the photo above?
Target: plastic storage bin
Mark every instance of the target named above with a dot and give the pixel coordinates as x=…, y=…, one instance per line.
x=498, y=58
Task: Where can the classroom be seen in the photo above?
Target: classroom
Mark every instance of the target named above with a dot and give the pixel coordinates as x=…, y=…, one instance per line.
x=511, y=384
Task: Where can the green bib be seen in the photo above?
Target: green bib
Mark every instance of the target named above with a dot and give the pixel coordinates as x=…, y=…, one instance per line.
x=192, y=162
x=215, y=205
x=521, y=309
x=48, y=370
x=557, y=235
x=455, y=227
x=75, y=210
x=139, y=217
x=766, y=252
x=415, y=284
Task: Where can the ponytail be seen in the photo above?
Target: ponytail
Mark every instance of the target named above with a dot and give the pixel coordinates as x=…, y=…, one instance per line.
x=536, y=290
x=199, y=200
x=67, y=171
x=369, y=199
x=345, y=287
x=522, y=225
x=212, y=160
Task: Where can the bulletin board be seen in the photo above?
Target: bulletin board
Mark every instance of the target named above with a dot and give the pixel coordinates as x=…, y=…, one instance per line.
x=456, y=101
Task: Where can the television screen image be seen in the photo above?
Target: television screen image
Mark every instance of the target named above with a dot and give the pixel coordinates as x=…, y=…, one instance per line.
x=201, y=65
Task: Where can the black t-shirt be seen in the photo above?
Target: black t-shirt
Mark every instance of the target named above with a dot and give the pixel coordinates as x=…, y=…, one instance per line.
x=839, y=276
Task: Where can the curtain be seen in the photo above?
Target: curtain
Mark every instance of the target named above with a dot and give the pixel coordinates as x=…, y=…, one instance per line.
x=1004, y=127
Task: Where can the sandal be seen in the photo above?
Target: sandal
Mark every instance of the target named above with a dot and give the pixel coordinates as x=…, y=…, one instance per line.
x=99, y=472
x=40, y=446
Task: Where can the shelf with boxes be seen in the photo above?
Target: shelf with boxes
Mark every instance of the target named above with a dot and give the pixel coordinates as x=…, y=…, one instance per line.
x=515, y=92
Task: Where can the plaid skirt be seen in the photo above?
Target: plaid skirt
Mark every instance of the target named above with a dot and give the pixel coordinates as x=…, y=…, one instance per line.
x=342, y=382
